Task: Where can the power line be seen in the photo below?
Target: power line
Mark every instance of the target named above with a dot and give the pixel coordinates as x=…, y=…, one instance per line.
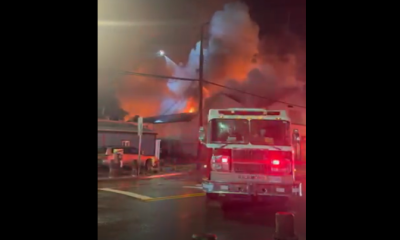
x=159, y=76
x=211, y=83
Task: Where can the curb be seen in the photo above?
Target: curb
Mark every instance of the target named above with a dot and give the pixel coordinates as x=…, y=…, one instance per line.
x=180, y=168
x=140, y=178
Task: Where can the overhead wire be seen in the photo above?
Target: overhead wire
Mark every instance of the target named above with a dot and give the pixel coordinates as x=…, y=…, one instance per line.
x=209, y=82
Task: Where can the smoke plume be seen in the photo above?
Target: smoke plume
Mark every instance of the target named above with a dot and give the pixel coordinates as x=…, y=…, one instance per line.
x=233, y=44
x=234, y=57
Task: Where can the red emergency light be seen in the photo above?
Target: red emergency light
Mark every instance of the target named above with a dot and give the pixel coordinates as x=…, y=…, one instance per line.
x=275, y=162
x=245, y=113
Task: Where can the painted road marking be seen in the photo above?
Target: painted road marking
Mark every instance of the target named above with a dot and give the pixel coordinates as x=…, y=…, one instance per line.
x=150, y=199
x=162, y=175
x=197, y=186
x=140, y=177
x=129, y=194
x=177, y=197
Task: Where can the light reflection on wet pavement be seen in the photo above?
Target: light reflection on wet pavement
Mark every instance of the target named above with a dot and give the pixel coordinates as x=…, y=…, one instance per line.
x=121, y=217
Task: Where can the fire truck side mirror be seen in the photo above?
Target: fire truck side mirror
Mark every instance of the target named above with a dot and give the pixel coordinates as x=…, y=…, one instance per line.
x=202, y=135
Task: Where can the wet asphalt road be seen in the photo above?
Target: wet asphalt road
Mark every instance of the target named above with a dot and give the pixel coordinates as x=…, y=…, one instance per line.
x=122, y=217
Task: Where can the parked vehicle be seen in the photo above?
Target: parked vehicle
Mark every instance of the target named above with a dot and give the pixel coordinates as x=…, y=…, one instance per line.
x=130, y=158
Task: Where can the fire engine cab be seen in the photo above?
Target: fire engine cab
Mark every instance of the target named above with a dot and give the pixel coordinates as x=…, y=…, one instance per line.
x=251, y=156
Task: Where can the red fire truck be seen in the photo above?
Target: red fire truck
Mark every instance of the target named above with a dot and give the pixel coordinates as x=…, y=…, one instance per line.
x=252, y=156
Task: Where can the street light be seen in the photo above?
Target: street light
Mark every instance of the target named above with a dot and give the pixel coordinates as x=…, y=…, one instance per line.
x=161, y=53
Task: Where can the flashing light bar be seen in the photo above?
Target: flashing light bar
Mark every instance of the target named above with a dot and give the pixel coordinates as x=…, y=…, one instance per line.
x=249, y=113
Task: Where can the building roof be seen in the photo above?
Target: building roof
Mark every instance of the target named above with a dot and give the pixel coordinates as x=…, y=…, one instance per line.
x=184, y=117
x=179, y=117
x=119, y=126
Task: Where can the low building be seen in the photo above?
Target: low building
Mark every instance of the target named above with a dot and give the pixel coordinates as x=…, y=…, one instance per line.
x=184, y=127
x=124, y=134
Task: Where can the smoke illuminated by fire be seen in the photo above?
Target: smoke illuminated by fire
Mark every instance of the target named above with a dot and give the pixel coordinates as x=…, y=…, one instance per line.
x=234, y=56
x=190, y=105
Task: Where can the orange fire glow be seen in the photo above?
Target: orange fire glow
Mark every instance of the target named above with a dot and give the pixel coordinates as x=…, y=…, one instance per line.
x=190, y=106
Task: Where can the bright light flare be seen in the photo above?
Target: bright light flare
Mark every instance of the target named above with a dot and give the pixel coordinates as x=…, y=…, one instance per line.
x=275, y=162
x=161, y=53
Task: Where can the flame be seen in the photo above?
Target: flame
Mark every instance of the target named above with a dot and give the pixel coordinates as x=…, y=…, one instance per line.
x=190, y=106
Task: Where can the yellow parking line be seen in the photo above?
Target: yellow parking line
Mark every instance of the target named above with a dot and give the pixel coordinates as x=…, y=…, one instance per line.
x=129, y=194
x=176, y=197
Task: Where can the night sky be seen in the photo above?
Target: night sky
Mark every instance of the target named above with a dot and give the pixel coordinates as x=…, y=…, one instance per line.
x=173, y=25
x=270, y=15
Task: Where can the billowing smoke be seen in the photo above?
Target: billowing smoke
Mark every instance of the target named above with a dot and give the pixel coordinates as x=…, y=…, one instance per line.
x=143, y=95
x=233, y=44
x=234, y=57
x=238, y=59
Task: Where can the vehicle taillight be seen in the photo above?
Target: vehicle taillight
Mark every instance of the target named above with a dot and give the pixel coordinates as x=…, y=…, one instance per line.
x=220, y=163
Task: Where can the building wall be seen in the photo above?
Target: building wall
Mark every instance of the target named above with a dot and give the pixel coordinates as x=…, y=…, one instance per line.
x=187, y=132
x=182, y=131
x=115, y=139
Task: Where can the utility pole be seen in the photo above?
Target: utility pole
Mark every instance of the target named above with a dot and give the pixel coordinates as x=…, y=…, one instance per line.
x=201, y=71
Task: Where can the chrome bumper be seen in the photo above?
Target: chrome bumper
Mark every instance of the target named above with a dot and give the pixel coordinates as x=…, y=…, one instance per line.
x=266, y=189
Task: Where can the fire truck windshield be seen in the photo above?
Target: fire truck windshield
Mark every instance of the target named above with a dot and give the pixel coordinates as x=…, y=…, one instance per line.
x=229, y=131
x=270, y=132
x=255, y=131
